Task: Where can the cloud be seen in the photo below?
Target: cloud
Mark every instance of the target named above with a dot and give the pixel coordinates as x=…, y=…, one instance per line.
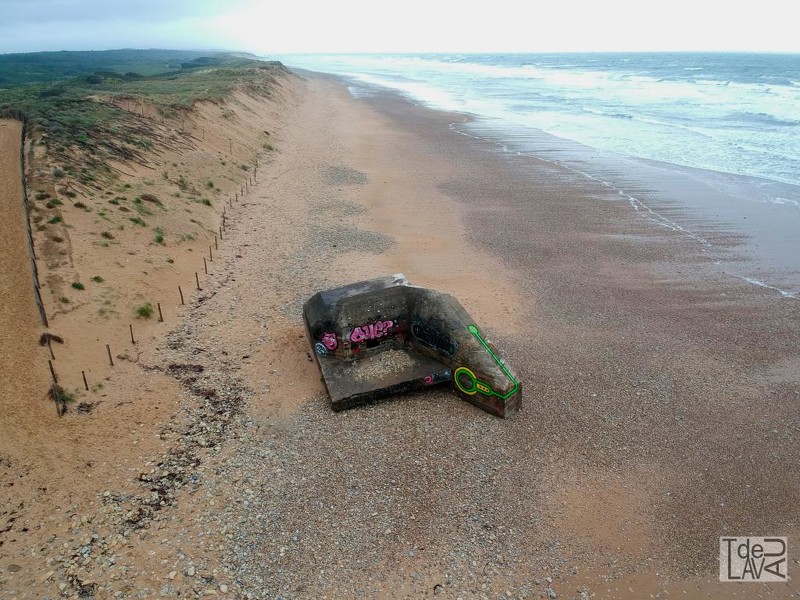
x=42, y=12
x=34, y=25
x=284, y=26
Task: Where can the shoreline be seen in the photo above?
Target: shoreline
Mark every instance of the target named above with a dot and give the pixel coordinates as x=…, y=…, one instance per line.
x=758, y=244
x=729, y=215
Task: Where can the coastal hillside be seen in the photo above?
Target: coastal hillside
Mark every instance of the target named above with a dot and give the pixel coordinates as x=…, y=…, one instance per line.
x=129, y=160
x=45, y=67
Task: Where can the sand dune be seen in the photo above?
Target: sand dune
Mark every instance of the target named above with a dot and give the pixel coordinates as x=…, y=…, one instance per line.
x=52, y=467
x=24, y=381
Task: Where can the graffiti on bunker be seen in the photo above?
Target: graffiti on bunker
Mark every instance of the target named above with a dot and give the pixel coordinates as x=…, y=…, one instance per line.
x=371, y=331
x=467, y=382
x=330, y=340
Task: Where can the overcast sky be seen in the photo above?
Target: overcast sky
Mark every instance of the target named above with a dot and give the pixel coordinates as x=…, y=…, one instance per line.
x=290, y=26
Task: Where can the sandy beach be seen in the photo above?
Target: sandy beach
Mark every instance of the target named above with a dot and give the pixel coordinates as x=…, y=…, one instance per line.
x=659, y=407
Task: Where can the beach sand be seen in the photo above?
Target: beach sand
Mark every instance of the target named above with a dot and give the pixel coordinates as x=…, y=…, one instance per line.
x=659, y=409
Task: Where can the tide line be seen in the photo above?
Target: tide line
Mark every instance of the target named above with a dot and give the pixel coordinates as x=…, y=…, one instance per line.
x=759, y=283
x=638, y=205
x=635, y=203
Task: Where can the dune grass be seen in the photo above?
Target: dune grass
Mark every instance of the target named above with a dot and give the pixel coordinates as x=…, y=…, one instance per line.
x=97, y=104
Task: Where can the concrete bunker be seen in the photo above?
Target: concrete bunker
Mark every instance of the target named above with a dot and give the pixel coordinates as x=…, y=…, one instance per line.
x=385, y=336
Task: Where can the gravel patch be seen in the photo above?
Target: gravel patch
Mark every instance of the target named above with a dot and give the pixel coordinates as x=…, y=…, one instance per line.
x=377, y=366
x=341, y=175
x=339, y=239
x=332, y=502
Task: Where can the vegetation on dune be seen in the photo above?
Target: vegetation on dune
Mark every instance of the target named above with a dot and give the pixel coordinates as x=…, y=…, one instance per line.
x=93, y=118
x=89, y=107
x=21, y=69
x=144, y=311
x=60, y=395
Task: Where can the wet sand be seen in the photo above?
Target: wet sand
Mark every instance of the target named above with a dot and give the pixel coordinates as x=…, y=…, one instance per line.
x=747, y=224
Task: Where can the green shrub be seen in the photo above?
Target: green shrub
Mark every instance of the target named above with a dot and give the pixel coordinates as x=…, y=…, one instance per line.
x=97, y=279
x=158, y=236
x=144, y=311
x=54, y=220
x=138, y=220
x=78, y=285
x=60, y=395
x=141, y=208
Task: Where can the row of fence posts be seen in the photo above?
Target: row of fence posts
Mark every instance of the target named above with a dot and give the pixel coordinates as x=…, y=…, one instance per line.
x=57, y=393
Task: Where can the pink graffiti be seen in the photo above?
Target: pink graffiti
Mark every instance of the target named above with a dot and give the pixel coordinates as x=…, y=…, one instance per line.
x=371, y=331
x=428, y=380
x=330, y=341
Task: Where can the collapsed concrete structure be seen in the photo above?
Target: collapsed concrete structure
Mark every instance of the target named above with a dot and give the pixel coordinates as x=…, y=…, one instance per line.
x=384, y=336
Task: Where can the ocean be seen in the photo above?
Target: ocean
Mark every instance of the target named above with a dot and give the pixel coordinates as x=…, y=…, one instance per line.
x=730, y=113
